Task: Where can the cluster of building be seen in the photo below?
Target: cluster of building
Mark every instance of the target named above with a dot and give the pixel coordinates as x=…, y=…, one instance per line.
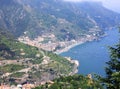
x=48, y=42
x=40, y=41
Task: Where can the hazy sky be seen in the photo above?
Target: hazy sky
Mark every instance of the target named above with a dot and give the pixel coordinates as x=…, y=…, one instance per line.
x=111, y=4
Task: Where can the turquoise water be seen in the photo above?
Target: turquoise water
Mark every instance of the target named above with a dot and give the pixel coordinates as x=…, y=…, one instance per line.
x=93, y=55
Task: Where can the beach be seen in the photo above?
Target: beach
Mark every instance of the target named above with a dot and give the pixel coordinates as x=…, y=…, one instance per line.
x=76, y=43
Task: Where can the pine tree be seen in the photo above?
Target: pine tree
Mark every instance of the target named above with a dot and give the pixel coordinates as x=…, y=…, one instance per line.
x=112, y=80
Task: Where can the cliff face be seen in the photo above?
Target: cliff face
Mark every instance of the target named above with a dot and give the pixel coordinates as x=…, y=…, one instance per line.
x=63, y=19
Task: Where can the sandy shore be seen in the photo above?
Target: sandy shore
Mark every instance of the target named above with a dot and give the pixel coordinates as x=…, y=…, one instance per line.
x=76, y=43
x=68, y=48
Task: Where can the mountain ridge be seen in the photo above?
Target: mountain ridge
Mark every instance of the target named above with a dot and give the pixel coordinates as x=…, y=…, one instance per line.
x=53, y=16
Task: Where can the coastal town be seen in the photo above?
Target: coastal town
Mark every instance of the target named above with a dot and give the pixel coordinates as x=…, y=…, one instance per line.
x=48, y=42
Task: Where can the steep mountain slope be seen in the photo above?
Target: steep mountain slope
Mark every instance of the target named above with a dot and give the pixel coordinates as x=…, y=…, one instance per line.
x=103, y=17
x=13, y=17
x=63, y=19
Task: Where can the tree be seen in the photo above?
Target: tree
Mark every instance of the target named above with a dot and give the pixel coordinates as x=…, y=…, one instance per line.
x=112, y=79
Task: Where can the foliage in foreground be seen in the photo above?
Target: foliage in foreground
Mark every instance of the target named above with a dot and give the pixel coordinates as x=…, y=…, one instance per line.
x=72, y=82
x=112, y=79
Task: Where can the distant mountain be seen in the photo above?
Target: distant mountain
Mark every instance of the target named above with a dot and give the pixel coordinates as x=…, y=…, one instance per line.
x=104, y=17
x=63, y=19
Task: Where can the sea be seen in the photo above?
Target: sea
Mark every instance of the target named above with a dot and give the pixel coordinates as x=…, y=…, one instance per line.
x=92, y=56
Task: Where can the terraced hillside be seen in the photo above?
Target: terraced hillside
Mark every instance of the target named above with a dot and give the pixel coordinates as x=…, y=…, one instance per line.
x=20, y=62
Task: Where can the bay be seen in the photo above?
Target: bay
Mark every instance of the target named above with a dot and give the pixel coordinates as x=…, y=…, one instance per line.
x=93, y=56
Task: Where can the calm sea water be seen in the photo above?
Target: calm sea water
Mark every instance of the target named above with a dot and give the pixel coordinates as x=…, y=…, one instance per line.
x=93, y=55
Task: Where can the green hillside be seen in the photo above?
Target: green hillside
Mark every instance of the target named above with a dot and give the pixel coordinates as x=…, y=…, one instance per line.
x=28, y=62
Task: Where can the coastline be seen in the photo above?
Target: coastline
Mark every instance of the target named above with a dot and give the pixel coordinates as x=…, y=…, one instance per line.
x=75, y=67
x=68, y=48
x=72, y=45
x=76, y=43
x=84, y=40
